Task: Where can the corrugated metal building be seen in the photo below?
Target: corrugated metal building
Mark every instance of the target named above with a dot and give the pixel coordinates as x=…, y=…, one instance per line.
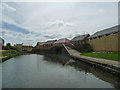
x=106, y=40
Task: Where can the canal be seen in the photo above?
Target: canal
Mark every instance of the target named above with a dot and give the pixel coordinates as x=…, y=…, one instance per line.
x=53, y=71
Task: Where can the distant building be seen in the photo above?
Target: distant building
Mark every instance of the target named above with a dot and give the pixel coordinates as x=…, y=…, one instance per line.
x=49, y=43
x=40, y=45
x=27, y=47
x=19, y=46
x=24, y=47
x=105, y=40
x=44, y=45
x=1, y=43
x=78, y=41
x=62, y=41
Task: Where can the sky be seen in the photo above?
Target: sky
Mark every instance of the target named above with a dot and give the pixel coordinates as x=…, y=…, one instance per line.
x=32, y=22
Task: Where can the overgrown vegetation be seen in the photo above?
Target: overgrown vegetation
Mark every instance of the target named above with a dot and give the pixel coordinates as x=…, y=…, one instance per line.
x=106, y=55
x=9, y=47
x=10, y=53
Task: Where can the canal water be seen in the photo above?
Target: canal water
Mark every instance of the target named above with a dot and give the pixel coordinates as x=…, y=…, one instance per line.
x=53, y=71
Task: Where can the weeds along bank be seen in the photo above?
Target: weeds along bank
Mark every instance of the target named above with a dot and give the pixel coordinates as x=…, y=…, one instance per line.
x=7, y=54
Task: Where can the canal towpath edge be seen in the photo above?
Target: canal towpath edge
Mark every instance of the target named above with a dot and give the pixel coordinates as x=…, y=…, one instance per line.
x=113, y=66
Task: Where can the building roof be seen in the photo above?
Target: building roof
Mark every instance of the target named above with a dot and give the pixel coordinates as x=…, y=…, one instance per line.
x=26, y=44
x=1, y=41
x=18, y=44
x=80, y=37
x=40, y=43
x=50, y=42
x=63, y=40
x=106, y=31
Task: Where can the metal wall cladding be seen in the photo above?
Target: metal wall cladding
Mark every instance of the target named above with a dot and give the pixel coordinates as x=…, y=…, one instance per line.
x=108, y=43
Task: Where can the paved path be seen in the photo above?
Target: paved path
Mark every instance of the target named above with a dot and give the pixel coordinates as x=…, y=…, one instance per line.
x=75, y=53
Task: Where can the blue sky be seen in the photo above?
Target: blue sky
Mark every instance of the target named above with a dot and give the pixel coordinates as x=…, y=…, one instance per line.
x=30, y=22
x=13, y=27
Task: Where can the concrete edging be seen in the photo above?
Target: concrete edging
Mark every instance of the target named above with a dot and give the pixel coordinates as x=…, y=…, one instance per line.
x=109, y=68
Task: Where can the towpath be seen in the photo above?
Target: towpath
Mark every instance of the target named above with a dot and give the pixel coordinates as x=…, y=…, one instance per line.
x=75, y=53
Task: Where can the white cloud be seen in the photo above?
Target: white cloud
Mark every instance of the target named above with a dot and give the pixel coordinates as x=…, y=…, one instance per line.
x=58, y=20
x=7, y=7
x=17, y=37
x=61, y=23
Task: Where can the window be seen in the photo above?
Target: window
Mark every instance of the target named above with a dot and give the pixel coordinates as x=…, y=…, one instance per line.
x=90, y=38
x=107, y=34
x=95, y=37
x=100, y=36
x=114, y=32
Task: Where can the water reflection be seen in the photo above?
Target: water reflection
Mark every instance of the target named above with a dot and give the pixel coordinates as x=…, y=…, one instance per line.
x=56, y=59
x=84, y=67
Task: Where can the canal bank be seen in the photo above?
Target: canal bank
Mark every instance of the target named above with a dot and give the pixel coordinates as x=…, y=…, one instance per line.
x=7, y=54
x=107, y=65
x=60, y=50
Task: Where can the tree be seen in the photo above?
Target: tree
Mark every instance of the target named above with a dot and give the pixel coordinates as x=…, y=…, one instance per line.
x=15, y=48
x=8, y=46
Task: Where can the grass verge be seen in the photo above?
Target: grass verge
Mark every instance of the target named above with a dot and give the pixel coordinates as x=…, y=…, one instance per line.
x=10, y=53
x=115, y=56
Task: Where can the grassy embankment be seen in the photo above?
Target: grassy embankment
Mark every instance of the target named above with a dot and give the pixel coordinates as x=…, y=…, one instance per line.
x=9, y=53
x=115, y=56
